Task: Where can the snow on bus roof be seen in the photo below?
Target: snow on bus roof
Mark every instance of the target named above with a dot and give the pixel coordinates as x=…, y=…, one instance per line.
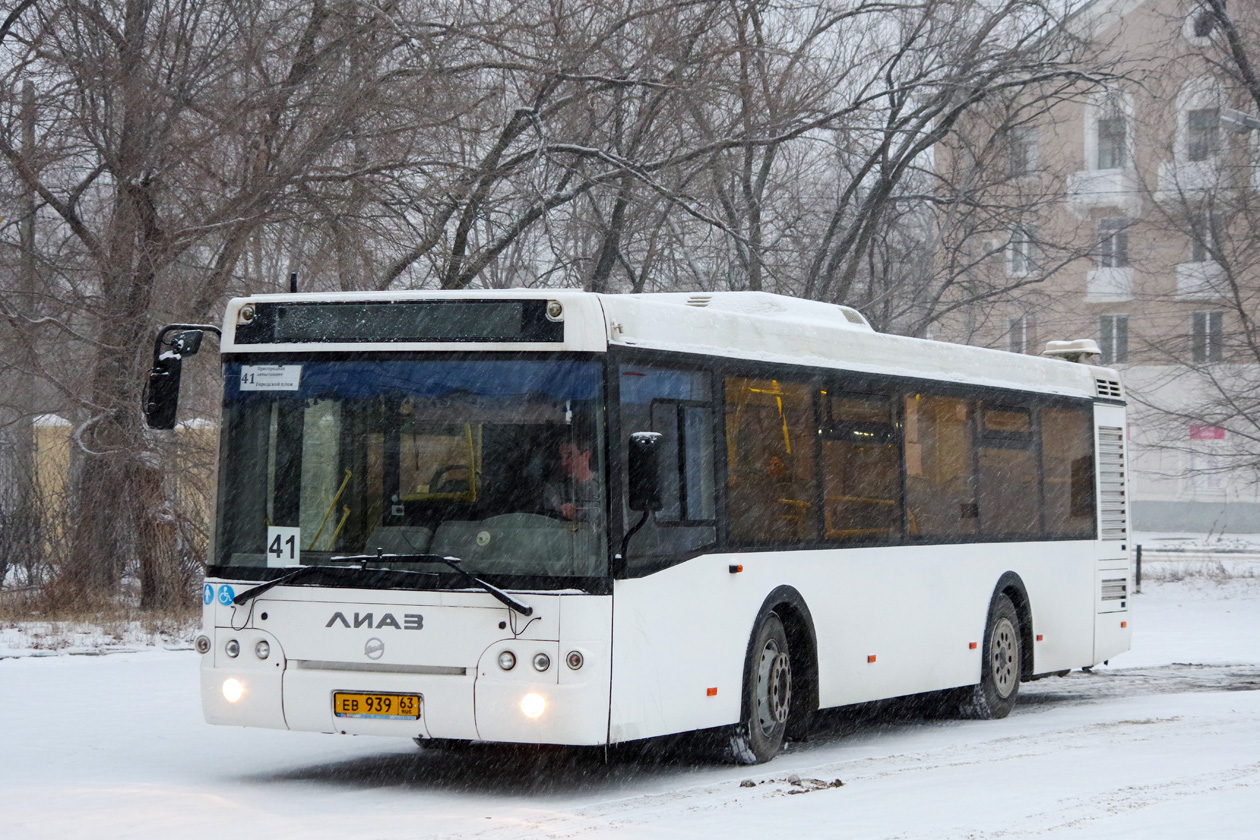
x=757, y=326
x=764, y=327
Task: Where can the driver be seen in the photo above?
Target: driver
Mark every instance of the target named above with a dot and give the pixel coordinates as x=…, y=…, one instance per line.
x=576, y=496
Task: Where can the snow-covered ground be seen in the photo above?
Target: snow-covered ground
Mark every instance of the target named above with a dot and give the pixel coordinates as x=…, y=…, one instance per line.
x=1162, y=743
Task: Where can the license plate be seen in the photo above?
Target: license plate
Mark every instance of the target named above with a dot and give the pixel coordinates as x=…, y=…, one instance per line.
x=347, y=704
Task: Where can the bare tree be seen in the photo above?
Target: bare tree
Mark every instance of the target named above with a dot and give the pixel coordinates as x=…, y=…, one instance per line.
x=1201, y=380
x=188, y=151
x=168, y=136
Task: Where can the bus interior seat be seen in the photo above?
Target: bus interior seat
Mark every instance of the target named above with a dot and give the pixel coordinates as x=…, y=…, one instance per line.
x=453, y=478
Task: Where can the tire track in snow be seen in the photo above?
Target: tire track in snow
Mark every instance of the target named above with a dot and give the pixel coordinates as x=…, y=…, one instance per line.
x=1081, y=688
x=1120, y=800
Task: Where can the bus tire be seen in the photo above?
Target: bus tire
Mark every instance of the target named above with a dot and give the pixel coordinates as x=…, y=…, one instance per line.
x=995, y=695
x=767, y=701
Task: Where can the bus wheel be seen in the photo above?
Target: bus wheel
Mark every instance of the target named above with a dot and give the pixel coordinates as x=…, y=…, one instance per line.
x=995, y=696
x=767, y=702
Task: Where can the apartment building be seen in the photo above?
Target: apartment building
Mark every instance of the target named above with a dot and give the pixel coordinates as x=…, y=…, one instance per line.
x=1146, y=238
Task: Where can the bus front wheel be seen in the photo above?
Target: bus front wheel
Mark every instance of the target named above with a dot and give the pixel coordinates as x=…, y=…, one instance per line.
x=995, y=695
x=767, y=701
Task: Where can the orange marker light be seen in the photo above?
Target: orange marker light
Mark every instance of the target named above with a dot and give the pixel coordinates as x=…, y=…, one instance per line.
x=736, y=569
x=972, y=646
x=712, y=692
x=1040, y=637
x=1124, y=624
x=870, y=658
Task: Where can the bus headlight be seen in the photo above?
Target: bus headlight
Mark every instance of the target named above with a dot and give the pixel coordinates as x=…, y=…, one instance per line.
x=533, y=705
x=232, y=648
x=507, y=660
x=262, y=650
x=232, y=690
x=202, y=644
x=574, y=659
x=541, y=662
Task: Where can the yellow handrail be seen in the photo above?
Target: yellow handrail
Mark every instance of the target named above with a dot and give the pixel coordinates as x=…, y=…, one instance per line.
x=344, y=516
x=331, y=507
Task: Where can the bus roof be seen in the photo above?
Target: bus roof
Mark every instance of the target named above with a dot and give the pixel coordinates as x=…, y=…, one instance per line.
x=757, y=326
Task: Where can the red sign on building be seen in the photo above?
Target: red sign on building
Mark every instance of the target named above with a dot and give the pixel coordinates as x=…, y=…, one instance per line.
x=1202, y=431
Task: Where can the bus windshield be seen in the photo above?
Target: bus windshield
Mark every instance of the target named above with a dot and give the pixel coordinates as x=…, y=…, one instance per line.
x=497, y=462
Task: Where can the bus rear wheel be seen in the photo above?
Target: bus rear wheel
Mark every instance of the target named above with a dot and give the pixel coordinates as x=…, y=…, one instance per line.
x=995, y=695
x=767, y=701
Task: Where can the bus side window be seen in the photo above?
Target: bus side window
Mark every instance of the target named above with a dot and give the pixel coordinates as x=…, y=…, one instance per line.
x=1009, y=496
x=771, y=454
x=940, y=487
x=677, y=403
x=1068, y=467
x=686, y=460
x=861, y=469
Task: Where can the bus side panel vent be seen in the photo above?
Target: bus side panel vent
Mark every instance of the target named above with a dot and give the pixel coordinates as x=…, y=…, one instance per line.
x=1112, y=502
x=1108, y=388
x=699, y=300
x=1115, y=589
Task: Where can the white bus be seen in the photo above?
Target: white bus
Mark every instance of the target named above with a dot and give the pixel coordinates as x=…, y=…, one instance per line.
x=567, y=518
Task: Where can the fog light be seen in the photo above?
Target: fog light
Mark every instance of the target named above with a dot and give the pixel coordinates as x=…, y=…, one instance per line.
x=202, y=644
x=533, y=705
x=232, y=690
x=507, y=660
x=232, y=648
x=541, y=662
x=262, y=650
x=574, y=659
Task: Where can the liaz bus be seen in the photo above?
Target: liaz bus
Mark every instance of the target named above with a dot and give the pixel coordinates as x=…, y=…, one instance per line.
x=569, y=518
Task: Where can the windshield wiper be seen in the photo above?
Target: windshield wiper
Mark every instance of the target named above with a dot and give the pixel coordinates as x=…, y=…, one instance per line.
x=297, y=574
x=363, y=559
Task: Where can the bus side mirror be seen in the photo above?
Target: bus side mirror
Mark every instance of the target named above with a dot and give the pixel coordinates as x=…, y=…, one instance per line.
x=161, y=392
x=643, y=467
x=187, y=343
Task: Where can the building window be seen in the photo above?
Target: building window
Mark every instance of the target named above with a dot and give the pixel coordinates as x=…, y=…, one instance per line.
x=1019, y=335
x=1202, y=22
x=1021, y=151
x=1202, y=133
x=1205, y=336
x=1020, y=252
x=1111, y=136
x=1113, y=338
x=1202, y=236
x=1113, y=243
x=1207, y=472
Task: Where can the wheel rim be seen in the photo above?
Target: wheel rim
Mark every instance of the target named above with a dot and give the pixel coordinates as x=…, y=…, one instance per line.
x=774, y=688
x=1004, y=657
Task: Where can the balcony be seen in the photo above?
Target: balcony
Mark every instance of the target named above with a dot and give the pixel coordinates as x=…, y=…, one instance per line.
x=1188, y=181
x=1106, y=285
x=1104, y=188
x=1200, y=281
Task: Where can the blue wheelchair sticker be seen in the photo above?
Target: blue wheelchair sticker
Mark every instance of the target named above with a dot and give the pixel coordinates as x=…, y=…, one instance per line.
x=226, y=595
x=207, y=594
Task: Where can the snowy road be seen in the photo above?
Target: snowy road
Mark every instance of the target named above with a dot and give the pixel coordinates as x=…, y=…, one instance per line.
x=1163, y=744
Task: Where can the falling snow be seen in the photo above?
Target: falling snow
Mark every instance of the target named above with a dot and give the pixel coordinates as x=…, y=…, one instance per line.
x=1162, y=743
